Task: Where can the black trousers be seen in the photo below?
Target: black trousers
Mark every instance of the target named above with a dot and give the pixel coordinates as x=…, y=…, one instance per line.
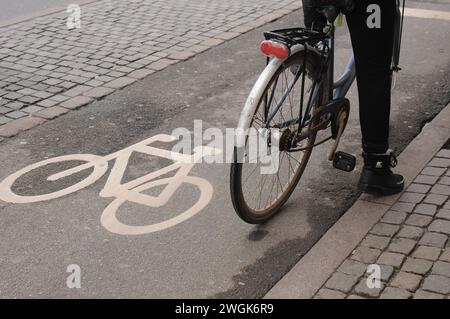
x=372, y=45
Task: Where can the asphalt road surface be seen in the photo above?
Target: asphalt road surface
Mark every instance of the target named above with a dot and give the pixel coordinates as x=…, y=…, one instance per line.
x=214, y=253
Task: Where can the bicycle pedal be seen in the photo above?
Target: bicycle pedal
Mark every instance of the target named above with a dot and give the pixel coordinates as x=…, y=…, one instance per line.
x=344, y=161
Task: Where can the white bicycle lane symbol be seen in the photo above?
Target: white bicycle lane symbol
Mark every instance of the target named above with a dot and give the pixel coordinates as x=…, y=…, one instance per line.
x=130, y=191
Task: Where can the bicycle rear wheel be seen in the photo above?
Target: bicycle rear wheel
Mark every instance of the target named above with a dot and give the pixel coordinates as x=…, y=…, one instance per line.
x=258, y=197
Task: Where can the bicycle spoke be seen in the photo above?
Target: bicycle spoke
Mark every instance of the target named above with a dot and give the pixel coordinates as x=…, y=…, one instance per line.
x=272, y=95
x=271, y=189
x=254, y=170
x=290, y=99
x=261, y=189
x=293, y=158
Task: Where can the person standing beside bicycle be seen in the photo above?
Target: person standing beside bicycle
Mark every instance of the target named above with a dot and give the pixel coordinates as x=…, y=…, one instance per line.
x=372, y=26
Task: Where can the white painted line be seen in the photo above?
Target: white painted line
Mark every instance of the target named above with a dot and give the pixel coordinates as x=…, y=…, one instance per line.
x=427, y=14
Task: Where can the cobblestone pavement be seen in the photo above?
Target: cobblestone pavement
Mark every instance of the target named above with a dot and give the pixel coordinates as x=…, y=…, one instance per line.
x=410, y=244
x=47, y=69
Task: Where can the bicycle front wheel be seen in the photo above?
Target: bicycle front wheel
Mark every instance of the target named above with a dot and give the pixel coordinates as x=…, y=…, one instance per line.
x=287, y=104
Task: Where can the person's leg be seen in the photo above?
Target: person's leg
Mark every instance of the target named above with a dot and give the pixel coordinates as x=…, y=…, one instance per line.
x=372, y=46
x=371, y=27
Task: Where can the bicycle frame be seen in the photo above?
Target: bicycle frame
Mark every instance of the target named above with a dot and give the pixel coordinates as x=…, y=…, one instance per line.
x=340, y=88
x=337, y=89
x=296, y=54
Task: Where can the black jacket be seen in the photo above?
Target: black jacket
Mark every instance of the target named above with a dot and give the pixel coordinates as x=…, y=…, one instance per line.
x=311, y=9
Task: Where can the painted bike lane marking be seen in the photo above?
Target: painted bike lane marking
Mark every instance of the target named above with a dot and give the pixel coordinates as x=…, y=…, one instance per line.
x=131, y=191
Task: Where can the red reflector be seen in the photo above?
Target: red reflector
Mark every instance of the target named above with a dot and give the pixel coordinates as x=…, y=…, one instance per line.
x=276, y=49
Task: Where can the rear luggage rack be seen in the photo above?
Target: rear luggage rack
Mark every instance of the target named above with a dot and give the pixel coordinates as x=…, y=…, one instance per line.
x=294, y=36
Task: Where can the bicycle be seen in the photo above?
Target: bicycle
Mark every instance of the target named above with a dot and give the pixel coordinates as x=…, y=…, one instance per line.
x=296, y=95
x=131, y=191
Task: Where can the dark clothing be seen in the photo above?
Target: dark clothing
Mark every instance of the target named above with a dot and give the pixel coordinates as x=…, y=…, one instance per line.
x=373, y=55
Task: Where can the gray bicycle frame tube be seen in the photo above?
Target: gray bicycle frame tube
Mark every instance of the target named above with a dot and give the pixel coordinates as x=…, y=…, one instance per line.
x=344, y=83
x=340, y=87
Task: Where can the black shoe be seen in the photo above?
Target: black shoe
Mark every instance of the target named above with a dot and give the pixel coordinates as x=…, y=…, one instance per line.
x=377, y=177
